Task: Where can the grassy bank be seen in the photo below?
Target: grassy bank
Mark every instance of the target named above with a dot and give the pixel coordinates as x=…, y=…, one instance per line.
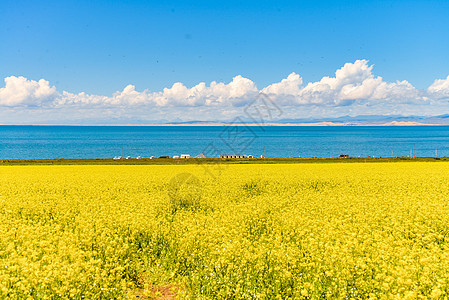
x=193, y=161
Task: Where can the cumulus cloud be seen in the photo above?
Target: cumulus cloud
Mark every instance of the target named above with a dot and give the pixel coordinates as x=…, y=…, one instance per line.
x=288, y=86
x=356, y=82
x=287, y=91
x=19, y=91
x=237, y=92
x=439, y=88
x=353, y=88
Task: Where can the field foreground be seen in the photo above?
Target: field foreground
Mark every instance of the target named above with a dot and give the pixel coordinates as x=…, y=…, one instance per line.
x=361, y=230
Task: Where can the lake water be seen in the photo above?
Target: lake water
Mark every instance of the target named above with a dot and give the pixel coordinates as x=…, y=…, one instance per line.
x=28, y=142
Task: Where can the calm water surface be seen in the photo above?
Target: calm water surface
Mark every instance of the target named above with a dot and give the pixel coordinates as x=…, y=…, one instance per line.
x=27, y=142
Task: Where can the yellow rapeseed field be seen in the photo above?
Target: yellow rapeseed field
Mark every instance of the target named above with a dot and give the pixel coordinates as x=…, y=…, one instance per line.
x=293, y=231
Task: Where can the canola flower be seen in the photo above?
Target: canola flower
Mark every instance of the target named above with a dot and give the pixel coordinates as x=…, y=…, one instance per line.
x=294, y=231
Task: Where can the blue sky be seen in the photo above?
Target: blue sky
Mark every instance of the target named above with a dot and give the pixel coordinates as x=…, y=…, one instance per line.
x=100, y=47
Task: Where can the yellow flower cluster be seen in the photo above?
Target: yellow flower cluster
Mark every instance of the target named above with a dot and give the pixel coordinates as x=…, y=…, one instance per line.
x=294, y=231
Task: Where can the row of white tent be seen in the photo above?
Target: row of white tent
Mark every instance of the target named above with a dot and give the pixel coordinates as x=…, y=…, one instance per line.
x=128, y=157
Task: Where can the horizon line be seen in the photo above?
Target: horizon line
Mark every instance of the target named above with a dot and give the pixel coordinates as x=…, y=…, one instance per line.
x=253, y=124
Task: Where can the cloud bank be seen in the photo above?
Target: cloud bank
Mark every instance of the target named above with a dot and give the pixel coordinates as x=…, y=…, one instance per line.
x=19, y=91
x=353, y=89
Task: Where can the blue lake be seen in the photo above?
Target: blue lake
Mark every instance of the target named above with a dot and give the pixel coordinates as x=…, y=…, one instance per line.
x=28, y=142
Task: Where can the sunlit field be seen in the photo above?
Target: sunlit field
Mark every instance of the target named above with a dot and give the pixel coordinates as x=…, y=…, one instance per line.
x=293, y=231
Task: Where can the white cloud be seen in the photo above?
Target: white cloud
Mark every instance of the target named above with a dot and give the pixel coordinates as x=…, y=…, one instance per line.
x=19, y=91
x=286, y=91
x=439, y=88
x=288, y=86
x=353, y=89
x=356, y=82
x=237, y=92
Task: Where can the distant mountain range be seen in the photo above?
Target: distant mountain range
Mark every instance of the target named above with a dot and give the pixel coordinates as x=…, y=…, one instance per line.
x=364, y=120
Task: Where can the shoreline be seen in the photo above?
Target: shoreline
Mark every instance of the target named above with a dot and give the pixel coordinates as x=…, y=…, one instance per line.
x=210, y=161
